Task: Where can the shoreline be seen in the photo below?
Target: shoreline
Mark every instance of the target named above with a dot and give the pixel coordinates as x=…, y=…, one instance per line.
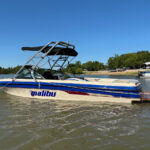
x=133, y=72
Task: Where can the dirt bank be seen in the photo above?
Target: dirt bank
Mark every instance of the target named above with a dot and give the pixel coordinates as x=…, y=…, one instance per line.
x=133, y=72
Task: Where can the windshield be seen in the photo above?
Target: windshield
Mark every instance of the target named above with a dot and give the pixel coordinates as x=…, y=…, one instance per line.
x=28, y=73
x=24, y=74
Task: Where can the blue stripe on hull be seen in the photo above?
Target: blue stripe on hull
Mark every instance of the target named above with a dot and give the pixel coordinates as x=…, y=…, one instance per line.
x=75, y=85
x=92, y=86
x=129, y=95
x=77, y=88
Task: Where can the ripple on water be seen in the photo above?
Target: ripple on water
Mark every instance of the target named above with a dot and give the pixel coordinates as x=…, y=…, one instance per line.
x=35, y=124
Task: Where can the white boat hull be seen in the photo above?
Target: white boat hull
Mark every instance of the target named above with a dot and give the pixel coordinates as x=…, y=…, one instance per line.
x=146, y=75
x=62, y=95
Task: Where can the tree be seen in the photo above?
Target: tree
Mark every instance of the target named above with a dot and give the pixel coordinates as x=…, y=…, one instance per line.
x=93, y=66
x=131, y=60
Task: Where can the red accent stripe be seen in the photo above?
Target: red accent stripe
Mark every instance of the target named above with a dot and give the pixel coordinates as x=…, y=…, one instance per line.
x=78, y=93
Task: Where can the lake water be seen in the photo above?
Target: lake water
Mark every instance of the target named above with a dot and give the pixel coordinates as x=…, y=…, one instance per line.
x=31, y=124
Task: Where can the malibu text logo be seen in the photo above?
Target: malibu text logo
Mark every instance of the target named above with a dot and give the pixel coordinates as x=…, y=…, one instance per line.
x=43, y=93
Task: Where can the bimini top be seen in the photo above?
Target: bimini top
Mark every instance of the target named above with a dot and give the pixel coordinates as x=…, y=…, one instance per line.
x=54, y=51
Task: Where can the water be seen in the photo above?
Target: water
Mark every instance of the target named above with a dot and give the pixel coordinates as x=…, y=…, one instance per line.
x=31, y=124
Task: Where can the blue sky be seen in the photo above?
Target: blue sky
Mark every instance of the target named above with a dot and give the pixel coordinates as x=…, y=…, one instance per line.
x=99, y=28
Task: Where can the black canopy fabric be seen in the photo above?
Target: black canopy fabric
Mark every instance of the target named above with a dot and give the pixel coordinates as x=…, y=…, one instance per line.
x=55, y=51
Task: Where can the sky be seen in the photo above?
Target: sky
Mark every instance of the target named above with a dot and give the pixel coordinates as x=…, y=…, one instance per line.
x=98, y=28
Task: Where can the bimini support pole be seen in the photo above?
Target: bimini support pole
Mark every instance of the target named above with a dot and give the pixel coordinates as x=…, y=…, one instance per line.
x=31, y=59
x=46, y=54
x=56, y=43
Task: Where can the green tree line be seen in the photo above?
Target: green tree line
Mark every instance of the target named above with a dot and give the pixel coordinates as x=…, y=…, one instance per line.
x=130, y=60
x=9, y=70
x=78, y=68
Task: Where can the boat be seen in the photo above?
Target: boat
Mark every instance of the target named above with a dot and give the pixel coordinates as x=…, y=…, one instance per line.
x=146, y=65
x=42, y=77
x=144, y=74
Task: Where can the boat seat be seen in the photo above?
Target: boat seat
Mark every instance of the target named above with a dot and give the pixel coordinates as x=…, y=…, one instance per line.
x=48, y=75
